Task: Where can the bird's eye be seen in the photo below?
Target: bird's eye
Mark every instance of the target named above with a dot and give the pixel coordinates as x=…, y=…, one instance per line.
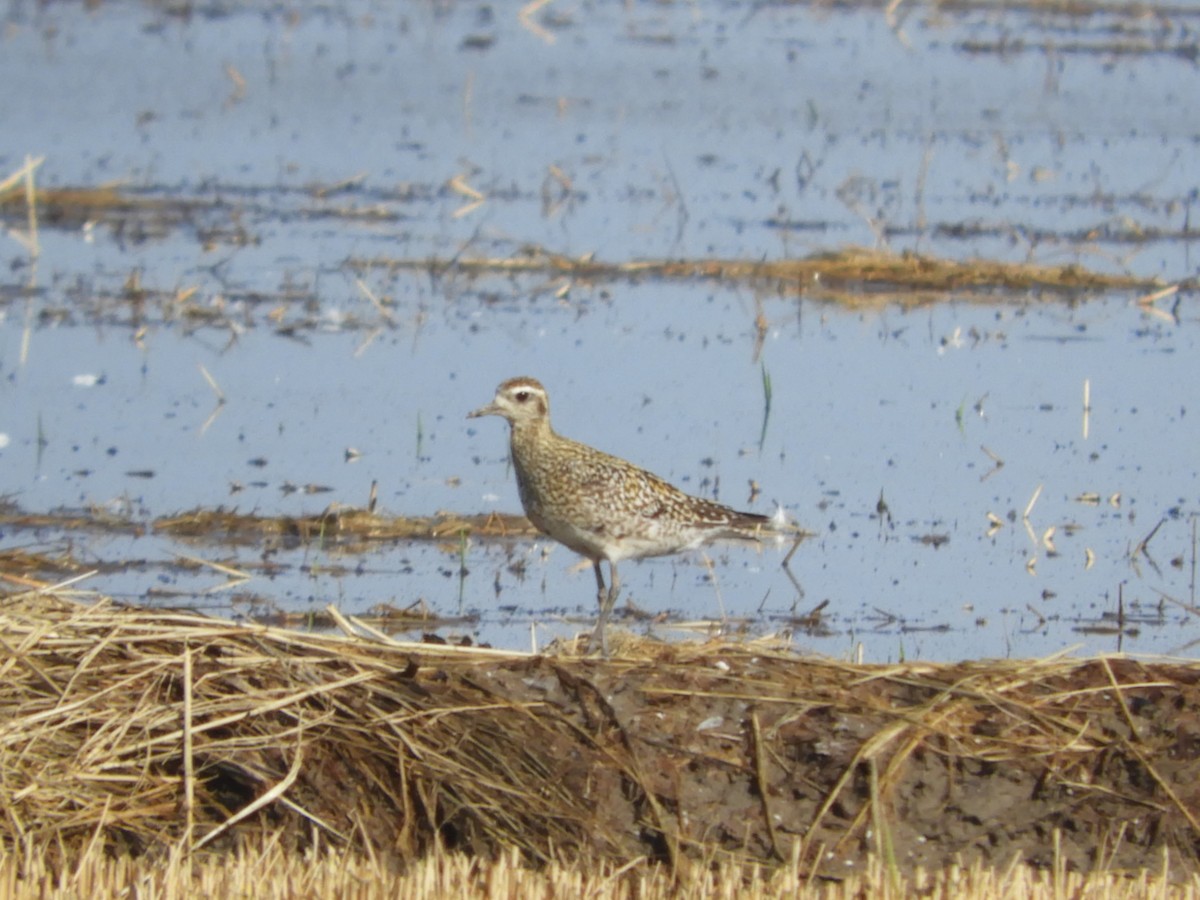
x=521, y=396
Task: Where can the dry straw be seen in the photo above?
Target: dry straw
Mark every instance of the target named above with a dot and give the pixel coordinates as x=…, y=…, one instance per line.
x=152, y=732
x=269, y=872
x=839, y=276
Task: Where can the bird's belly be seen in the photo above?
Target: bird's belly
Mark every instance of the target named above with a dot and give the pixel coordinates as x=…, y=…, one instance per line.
x=614, y=543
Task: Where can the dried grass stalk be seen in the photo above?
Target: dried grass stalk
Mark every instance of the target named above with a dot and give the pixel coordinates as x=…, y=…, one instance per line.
x=155, y=732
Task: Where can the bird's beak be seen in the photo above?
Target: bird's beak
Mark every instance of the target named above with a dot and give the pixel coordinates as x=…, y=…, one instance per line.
x=490, y=410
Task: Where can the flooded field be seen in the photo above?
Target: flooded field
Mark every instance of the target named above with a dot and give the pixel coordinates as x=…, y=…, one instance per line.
x=254, y=282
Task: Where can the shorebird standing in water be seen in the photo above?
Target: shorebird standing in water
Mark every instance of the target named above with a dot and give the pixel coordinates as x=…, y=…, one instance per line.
x=601, y=506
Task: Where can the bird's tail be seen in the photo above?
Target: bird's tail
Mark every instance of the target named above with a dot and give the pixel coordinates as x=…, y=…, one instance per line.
x=754, y=526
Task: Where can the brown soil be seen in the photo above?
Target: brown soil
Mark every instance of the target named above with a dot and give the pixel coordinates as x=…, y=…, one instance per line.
x=144, y=730
x=733, y=753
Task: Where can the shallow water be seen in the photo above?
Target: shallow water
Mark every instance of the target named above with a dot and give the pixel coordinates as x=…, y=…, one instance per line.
x=733, y=130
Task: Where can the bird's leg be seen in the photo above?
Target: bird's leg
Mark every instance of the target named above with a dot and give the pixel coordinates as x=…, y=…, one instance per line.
x=607, y=600
x=614, y=588
x=598, y=634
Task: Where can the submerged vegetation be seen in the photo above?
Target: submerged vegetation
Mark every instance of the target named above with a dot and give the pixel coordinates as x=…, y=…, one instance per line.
x=852, y=277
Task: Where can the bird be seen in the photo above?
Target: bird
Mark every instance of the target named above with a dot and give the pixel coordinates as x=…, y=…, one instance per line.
x=601, y=506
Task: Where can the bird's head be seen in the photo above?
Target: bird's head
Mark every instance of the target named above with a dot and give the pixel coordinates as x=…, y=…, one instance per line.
x=518, y=400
